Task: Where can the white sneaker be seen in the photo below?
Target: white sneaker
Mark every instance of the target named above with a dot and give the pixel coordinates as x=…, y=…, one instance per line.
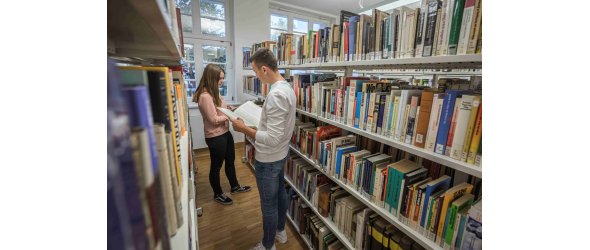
x=259, y=246
x=281, y=236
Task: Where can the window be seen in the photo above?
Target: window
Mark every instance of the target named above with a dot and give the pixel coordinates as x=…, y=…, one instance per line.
x=318, y=26
x=212, y=18
x=300, y=26
x=216, y=55
x=189, y=69
x=206, y=26
x=186, y=12
x=278, y=25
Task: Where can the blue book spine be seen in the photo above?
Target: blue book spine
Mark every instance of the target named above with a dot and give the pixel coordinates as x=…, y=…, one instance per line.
x=332, y=104
x=339, y=153
x=120, y=161
x=429, y=190
x=445, y=120
x=140, y=115
x=460, y=232
x=390, y=119
x=367, y=176
x=359, y=99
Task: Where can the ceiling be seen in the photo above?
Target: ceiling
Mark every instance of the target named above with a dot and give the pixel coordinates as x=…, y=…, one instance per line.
x=333, y=6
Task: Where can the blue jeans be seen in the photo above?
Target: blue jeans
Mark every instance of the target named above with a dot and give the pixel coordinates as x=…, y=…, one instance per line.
x=273, y=198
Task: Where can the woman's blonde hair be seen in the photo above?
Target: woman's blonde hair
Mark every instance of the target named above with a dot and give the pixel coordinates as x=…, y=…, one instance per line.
x=209, y=79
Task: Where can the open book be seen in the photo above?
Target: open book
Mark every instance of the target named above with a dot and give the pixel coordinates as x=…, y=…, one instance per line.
x=249, y=112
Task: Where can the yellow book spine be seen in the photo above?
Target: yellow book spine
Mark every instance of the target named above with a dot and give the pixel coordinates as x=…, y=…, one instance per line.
x=476, y=137
x=470, y=127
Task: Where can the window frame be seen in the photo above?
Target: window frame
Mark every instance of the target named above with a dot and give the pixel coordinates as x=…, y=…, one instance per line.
x=291, y=16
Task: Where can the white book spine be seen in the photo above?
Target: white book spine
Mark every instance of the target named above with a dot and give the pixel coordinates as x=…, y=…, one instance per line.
x=433, y=123
x=465, y=29
x=363, y=112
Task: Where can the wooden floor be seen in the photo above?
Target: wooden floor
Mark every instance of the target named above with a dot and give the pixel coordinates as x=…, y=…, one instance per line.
x=237, y=226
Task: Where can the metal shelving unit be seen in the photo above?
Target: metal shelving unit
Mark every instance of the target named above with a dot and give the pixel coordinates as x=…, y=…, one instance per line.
x=416, y=236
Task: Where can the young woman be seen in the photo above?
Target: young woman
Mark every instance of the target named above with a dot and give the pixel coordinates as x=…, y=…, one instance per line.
x=217, y=135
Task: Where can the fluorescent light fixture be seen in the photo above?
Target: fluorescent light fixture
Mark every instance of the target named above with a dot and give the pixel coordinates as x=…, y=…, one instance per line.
x=388, y=6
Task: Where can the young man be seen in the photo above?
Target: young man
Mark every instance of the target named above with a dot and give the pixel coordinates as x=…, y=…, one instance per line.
x=272, y=138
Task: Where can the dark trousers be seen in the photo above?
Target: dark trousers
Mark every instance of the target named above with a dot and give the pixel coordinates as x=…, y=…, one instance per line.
x=222, y=148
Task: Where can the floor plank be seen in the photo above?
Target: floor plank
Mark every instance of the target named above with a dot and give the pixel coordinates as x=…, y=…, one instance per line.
x=238, y=226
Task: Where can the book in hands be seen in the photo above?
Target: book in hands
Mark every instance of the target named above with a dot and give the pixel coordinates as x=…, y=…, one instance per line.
x=249, y=112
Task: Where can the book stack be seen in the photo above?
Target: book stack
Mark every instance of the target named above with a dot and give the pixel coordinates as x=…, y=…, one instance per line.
x=146, y=118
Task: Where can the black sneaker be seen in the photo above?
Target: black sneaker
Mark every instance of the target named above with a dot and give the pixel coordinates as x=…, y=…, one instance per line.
x=221, y=198
x=240, y=189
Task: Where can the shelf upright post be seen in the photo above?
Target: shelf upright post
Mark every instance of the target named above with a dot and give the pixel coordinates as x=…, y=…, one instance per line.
x=347, y=71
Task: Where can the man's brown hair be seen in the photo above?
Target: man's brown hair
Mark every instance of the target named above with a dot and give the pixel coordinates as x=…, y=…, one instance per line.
x=264, y=57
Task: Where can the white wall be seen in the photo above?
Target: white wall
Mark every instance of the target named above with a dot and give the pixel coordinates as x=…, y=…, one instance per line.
x=251, y=25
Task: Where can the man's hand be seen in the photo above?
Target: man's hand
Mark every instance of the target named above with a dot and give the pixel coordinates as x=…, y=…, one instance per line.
x=239, y=125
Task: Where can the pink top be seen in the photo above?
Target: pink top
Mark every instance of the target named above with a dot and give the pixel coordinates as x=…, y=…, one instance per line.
x=214, y=121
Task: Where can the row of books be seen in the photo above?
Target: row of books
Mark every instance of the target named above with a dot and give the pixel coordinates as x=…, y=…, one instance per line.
x=412, y=189
x=446, y=120
x=271, y=45
x=254, y=86
x=146, y=116
x=309, y=225
x=246, y=57
x=361, y=226
x=422, y=29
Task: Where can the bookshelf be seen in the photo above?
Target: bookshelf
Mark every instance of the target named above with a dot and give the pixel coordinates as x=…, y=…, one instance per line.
x=442, y=159
x=333, y=228
x=305, y=239
x=143, y=30
x=415, y=235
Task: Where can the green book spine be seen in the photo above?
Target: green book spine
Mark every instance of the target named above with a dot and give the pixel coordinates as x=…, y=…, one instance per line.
x=396, y=184
x=448, y=236
x=456, y=26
